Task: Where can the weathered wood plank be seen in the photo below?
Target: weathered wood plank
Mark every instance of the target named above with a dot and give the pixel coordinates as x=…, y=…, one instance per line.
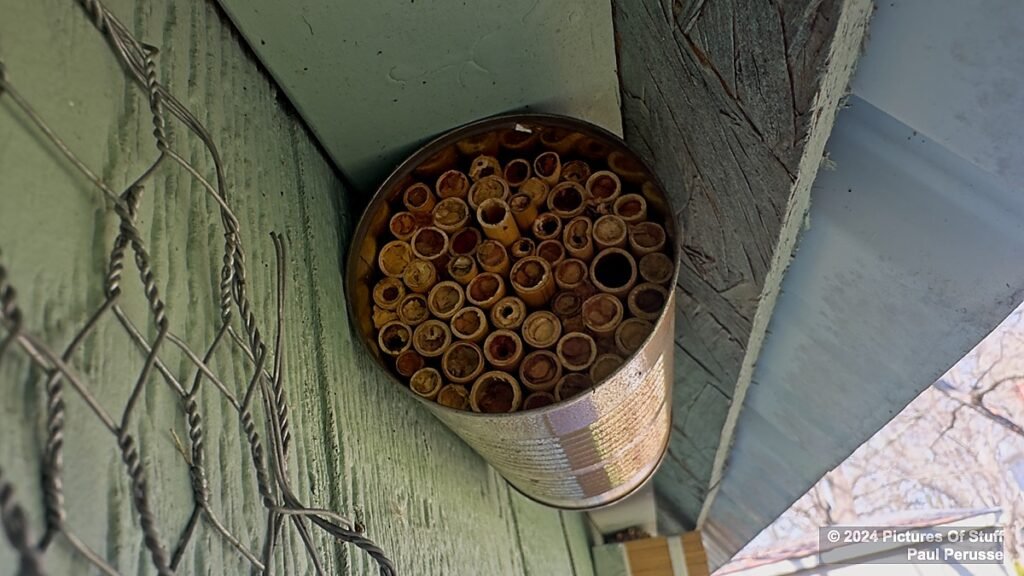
x=732, y=102
x=359, y=446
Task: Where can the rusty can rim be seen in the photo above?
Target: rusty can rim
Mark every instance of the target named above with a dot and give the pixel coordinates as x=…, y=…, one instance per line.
x=431, y=148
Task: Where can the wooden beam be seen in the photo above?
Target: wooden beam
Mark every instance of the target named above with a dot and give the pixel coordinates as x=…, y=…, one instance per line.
x=732, y=101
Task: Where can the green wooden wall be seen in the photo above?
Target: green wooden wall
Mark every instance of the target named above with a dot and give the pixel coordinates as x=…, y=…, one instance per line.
x=360, y=447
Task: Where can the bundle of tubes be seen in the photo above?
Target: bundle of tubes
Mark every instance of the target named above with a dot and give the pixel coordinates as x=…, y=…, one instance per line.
x=520, y=271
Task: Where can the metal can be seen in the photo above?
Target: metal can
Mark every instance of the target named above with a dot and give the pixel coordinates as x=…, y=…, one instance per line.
x=597, y=447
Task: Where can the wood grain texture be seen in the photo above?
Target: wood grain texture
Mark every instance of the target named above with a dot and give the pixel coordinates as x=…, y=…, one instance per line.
x=359, y=446
x=732, y=102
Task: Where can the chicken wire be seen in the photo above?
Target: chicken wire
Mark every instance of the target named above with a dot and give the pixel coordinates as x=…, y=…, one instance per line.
x=268, y=438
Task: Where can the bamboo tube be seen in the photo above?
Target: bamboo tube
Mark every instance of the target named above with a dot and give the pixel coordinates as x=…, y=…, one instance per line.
x=497, y=222
x=493, y=257
x=537, y=190
x=438, y=162
x=518, y=140
x=656, y=268
x=576, y=171
x=488, y=187
x=523, y=248
x=452, y=184
x=388, y=293
x=613, y=270
x=485, y=290
x=523, y=210
x=547, y=226
x=431, y=338
x=578, y=238
x=462, y=269
x=420, y=276
x=408, y=362
x=394, y=258
x=647, y=300
x=540, y=371
x=464, y=242
x=570, y=273
x=610, y=232
x=533, y=280
x=413, y=309
x=632, y=208
x=603, y=186
x=602, y=314
x=431, y=244
x=495, y=392
x=403, y=225
x=585, y=289
x=559, y=139
x=627, y=166
x=538, y=400
x=419, y=198
x=604, y=366
x=503, y=349
x=484, y=143
x=394, y=338
x=646, y=237
x=484, y=166
x=453, y=396
x=542, y=329
x=573, y=324
x=382, y=316
x=426, y=382
x=445, y=299
x=551, y=250
x=508, y=313
x=470, y=324
x=517, y=172
x=576, y=351
x=451, y=215
x=548, y=167
x=567, y=200
x=572, y=385
x=631, y=334
x=462, y=363
x=566, y=304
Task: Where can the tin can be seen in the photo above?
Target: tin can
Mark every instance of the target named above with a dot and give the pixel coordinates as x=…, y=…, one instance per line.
x=592, y=449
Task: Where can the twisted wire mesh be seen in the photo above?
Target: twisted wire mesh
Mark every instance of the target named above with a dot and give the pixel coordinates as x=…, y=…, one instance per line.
x=268, y=438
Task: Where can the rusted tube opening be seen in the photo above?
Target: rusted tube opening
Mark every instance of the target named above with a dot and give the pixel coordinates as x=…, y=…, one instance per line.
x=470, y=323
x=431, y=338
x=485, y=290
x=603, y=186
x=570, y=273
x=454, y=396
x=604, y=366
x=508, y=313
x=394, y=258
x=631, y=334
x=495, y=393
x=541, y=329
x=463, y=362
x=576, y=350
x=408, y=362
x=523, y=247
x=576, y=171
x=602, y=313
x=572, y=385
x=484, y=166
x=548, y=167
x=413, y=309
x=394, y=338
x=610, y=232
x=551, y=250
x=540, y=370
x=567, y=200
x=419, y=198
x=452, y=184
x=646, y=237
x=426, y=382
x=538, y=400
x=566, y=304
x=516, y=172
x=445, y=299
x=464, y=242
x=547, y=226
x=614, y=271
x=656, y=268
x=647, y=300
x=429, y=243
x=451, y=215
x=403, y=225
x=630, y=207
x=503, y=349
